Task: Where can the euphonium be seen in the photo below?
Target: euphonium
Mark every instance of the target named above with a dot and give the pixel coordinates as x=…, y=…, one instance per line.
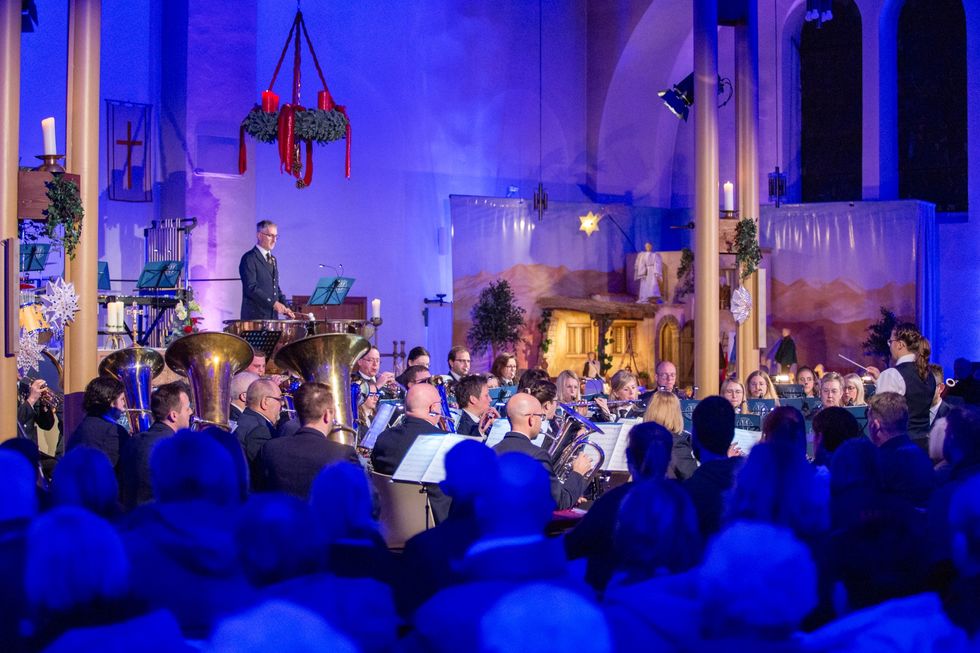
x=135, y=368
x=209, y=360
x=567, y=444
x=563, y=467
x=328, y=359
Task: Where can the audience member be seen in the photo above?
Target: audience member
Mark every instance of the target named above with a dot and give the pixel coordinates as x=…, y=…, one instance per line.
x=961, y=449
x=785, y=425
x=103, y=403
x=905, y=468
x=939, y=407
x=230, y=443
x=278, y=626
x=713, y=429
x=962, y=601
x=18, y=507
x=290, y=463
x=84, y=478
x=423, y=410
x=664, y=408
x=832, y=427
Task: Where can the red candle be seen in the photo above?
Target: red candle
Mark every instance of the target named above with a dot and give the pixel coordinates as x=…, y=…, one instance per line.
x=324, y=101
x=270, y=102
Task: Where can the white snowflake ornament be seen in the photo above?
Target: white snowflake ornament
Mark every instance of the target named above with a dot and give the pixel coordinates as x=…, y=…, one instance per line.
x=62, y=304
x=28, y=352
x=741, y=304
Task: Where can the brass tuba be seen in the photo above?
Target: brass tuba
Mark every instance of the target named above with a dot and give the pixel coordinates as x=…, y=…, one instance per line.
x=328, y=359
x=209, y=360
x=135, y=368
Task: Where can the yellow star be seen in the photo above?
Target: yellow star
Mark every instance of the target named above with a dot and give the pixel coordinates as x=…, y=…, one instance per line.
x=590, y=223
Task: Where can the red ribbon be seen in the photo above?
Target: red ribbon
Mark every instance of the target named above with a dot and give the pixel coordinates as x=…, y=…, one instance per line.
x=242, y=158
x=343, y=110
x=308, y=177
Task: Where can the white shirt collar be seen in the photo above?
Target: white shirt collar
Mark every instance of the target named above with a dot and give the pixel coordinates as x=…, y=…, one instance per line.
x=265, y=252
x=907, y=358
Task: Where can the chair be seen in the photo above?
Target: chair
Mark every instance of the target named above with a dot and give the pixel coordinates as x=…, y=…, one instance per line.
x=404, y=510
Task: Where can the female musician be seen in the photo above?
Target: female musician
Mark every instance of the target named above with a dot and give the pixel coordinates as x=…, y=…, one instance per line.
x=733, y=391
x=854, y=390
x=832, y=389
x=418, y=356
x=808, y=379
x=570, y=391
x=104, y=403
x=625, y=394
x=665, y=409
x=910, y=377
x=505, y=369
x=761, y=386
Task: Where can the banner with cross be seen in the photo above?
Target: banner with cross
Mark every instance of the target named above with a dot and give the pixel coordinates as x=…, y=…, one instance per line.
x=128, y=147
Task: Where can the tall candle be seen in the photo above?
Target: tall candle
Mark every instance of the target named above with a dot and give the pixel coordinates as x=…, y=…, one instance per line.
x=375, y=308
x=50, y=142
x=729, y=196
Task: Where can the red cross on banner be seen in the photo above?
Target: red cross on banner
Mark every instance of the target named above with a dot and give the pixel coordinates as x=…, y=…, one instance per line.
x=128, y=139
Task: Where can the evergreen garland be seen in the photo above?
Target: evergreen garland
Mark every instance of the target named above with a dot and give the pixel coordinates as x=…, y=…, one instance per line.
x=543, y=325
x=65, y=210
x=748, y=255
x=314, y=125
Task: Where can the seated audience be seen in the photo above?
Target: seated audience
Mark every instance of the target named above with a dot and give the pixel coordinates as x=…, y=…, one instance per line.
x=18, y=507
x=239, y=396
x=229, y=442
x=526, y=416
x=82, y=601
x=807, y=378
x=280, y=546
x=832, y=427
x=761, y=387
x=664, y=408
x=961, y=449
x=84, y=478
x=831, y=389
x=940, y=407
x=906, y=471
x=290, y=463
x=786, y=425
x=713, y=429
x=473, y=399
x=648, y=455
x=962, y=601
x=257, y=424
x=181, y=547
x=734, y=393
x=103, y=403
x=505, y=369
x=170, y=405
x=423, y=410
x=278, y=626
x=853, y=391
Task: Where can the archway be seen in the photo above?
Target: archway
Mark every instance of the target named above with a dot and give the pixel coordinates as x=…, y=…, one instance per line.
x=668, y=343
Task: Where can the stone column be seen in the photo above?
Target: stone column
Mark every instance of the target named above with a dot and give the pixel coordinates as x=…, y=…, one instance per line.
x=10, y=127
x=706, y=208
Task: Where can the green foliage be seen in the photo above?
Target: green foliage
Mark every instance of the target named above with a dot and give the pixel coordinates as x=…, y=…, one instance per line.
x=262, y=126
x=685, y=275
x=748, y=255
x=314, y=125
x=543, y=324
x=879, y=333
x=605, y=358
x=497, y=319
x=65, y=210
x=687, y=263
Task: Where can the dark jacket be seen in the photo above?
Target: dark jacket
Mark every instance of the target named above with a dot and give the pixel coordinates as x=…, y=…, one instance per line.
x=593, y=537
x=260, y=286
x=906, y=471
x=102, y=434
x=31, y=418
x=135, y=487
x=918, y=396
x=291, y=463
x=394, y=443
x=707, y=488
x=234, y=414
x=467, y=426
x=565, y=494
x=253, y=431
x=682, y=462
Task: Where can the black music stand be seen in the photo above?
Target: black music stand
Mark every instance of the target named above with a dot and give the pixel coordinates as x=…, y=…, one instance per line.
x=34, y=257
x=331, y=291
x=157, y=276
x=104, y=284
x=262, y=340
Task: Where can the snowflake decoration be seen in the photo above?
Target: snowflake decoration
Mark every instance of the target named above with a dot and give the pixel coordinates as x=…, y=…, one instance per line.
x=28, y=352
x=741, y=304
x=62, y=304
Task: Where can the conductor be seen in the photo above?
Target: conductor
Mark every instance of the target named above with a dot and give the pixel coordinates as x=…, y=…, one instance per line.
x=262, y=298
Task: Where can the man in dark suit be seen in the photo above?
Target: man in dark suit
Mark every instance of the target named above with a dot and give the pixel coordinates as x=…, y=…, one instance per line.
x=103, y=404
x=239, y=390
x=32, y=413
x=257, y=424
x=525, y=414
x=906, y=471
x=713, y=429
x=171, y=408
x=291, y=463
x=262, y=298
x=473, y=399
x=423, y=409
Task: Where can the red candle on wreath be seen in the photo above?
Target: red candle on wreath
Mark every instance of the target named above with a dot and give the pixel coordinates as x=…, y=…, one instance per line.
x=270, y=102
x=324, y=101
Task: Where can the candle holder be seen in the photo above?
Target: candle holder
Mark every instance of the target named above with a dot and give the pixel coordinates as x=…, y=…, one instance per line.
x=50, y=163
x=375, y=322
x=729, y=215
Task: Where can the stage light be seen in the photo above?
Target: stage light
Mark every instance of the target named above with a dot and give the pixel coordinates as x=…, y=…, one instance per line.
x=589, y=223
x=680, y=98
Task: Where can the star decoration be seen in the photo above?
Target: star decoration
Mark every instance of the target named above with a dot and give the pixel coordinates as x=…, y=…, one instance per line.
x=589, y=223
x=62, y=304
x=28, y=352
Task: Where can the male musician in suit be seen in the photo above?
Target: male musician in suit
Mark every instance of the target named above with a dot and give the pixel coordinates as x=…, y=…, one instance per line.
x=258, y=421
x=459, y=362
x=367, y=374
x=262, y=298
x=32, y=412
x=525, y=414
x=291, y=463
x=473, y=398
x=103, y=403
x=239, y=388
x=170, y=405
x=423, y=409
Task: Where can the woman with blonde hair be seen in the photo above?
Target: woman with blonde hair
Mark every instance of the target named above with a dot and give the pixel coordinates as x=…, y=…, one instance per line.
x=624, y=388
x=734, y=392
x=665, y=409
x=853, y=390
x=760, y=386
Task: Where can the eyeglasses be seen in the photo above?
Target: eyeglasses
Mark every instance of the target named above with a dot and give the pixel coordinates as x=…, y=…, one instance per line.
x=541, y=415
x=268, y=235
x=461, y=360
x=279, y=399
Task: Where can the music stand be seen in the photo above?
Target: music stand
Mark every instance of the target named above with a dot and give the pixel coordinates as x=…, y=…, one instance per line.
x=330, y=291
x=104, y=284
x=159, y=275
x=34, y=257
x=262, y=340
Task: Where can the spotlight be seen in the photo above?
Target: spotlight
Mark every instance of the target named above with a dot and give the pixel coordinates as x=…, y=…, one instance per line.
x=680, y=98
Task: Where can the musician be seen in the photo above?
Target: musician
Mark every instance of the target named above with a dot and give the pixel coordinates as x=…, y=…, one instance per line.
x=257, y=366
x=104, y=403
x=624, y=389
x=526, y=414
x=368, y=367
x=733, y=391
x=418, y=356
x=290, y=464
x=262, y=298
x=761, y=386
x=667, y=378
x=505, y=369
x=546, y=393
x=170, y=405
x=263, y=399
x=473, y=398
x=414, y=374
x=36, y=408
x=530, y=377
x=239, y=387
x=939, y=407
x=854, y=390
x=831, y=389
x=910, y=377
x=423, y=411
x=459, y=362
x=806, y=377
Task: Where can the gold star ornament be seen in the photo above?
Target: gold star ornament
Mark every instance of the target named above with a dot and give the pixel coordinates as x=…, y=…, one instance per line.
x=589, y=223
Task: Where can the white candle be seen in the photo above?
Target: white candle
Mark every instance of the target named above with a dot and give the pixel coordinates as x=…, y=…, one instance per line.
x=50, y=142
x=375, y=308
x=729, y=196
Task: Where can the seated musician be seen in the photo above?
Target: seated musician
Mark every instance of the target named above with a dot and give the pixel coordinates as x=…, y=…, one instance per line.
x=473, y=399
x=459, y=363
x=505, y=369
x=854, y=390
x=414, y=374
x=257, y=366
x=492, y=382
x=733, y=391
x=831, y=389
x=239, y=388
x=423, y=412
x=808, y=379
x=367, y=407
x=569, y=386
x=418, y=356
x=530, y=377
x=104, y=403
x=546, y=392
x=623, y=400
x=667, y=378
x=761, y=386
x=35, y=409
x=526, y=415
x=292, y=463
x=368, y=367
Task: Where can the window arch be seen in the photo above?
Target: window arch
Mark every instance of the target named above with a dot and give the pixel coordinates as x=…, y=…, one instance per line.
x=932, y=127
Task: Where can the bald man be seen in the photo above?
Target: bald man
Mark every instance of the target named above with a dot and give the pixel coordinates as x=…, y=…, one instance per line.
x=423, y=409
x=525, y=414
x=258, y=421
x=239, y=388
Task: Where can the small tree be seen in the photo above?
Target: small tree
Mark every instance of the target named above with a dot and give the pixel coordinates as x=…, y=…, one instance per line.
x=497, y=319
x=879, y=333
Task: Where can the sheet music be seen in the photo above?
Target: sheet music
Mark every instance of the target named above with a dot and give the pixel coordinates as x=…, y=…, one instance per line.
x=499, y=429
x=378, y=424
x=606, y=441
x=616, y=461
x=746, y=439
x=425, y=460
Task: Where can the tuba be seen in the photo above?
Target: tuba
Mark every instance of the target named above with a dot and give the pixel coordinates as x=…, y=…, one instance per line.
x=328, y=359
x=135, y=368
x=209, y=360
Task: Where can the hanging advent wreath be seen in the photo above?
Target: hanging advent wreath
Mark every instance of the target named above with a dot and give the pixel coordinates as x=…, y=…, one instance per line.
x=293, y=124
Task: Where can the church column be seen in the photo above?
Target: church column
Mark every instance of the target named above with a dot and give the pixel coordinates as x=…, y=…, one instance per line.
x=747, y=121
x=10, y=127
x=706, y=321
x=81, y=338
